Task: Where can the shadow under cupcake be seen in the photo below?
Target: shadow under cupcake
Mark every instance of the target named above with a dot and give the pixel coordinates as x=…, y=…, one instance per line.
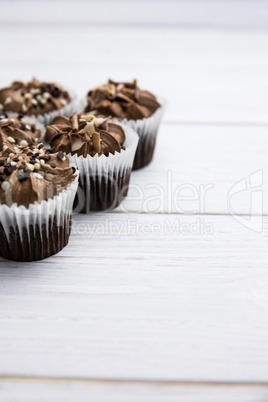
x=132, y=106
x=103, y=153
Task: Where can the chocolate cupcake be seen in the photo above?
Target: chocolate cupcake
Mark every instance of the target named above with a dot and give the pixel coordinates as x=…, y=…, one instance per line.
x=103, y=152
x=41, y=100
x=37, y=189
x=130, y=105
x=16, y=133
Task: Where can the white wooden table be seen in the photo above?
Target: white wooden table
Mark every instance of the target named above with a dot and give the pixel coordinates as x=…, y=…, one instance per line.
x=165, y=298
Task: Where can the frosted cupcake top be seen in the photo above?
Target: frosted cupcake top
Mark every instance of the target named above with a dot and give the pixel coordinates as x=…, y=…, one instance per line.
x=16, y=134
x=85, y=135
x=33, y=97
x=32, y=175
x=122, y=100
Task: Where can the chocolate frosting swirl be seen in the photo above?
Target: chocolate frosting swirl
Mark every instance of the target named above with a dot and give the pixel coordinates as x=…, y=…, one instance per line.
x=85, y=135
x=15, y=133
x=33, y=175
x=33, y=98
x=122, y=99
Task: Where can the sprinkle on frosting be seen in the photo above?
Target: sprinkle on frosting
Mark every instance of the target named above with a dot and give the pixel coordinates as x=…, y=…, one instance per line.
x=85, y=135
x=33, y=98
x=33, y=175
x=121, y=99
x=15, y=133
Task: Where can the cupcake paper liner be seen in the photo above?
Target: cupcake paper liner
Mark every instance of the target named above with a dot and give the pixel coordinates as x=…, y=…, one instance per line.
x=147, y=130
x=104, y=180
x=39, y=231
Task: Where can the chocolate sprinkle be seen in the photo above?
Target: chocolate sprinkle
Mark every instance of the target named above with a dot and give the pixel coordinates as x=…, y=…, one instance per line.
x=8, y=170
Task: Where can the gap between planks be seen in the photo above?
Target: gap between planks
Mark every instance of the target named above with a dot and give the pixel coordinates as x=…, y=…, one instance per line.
x=213, y=123
x=176, y=213
x=168, y=383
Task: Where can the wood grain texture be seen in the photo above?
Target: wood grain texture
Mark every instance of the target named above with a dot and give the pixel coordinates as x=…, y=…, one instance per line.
x=250, y=14
x=145, y=305
x=23, y=390
x=205, y=75
x=195, y=169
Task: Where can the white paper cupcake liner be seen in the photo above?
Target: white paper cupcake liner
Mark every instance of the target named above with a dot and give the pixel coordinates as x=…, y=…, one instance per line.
x=147, y=130
x=81, y=105
x=103, y=180
x=36, y=232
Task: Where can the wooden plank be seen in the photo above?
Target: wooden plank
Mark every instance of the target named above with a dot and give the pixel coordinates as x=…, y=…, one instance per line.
x=197, y=169
x=151, y=304
x=219, y=14
x=24, y=390
x=205, y=75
